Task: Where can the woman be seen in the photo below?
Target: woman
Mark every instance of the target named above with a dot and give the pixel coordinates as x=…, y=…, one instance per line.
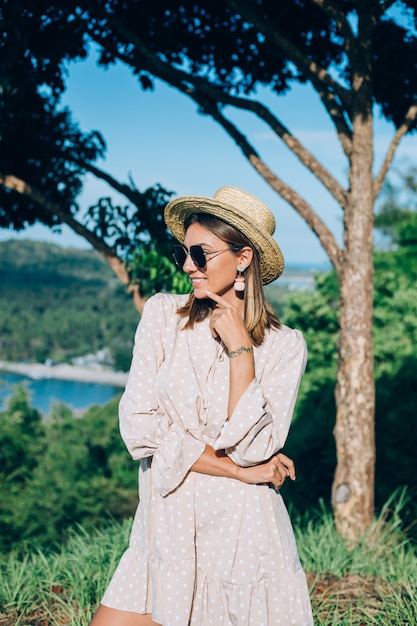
x=207, y=409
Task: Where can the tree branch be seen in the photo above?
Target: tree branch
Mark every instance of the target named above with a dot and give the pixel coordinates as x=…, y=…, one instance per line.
x=315, y=73
x=125, y=190
x=183, y=82
x=319, y=228
x=328, y=89
x=336, y=114
x=339, y=18
x=192, y=85
x=131, y=193
x=38, y=197
x=304, y=155
x=409, y=119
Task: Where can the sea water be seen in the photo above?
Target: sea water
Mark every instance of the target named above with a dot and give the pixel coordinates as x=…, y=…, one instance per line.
x=45, y=392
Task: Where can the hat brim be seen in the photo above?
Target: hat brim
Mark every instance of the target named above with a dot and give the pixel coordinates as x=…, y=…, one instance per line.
x=270, y=255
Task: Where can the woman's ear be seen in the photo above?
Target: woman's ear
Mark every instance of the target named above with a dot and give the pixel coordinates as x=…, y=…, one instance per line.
x=245, y=256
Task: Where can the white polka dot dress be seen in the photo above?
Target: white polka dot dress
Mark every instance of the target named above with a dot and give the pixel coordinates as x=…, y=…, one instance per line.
x=207, y=550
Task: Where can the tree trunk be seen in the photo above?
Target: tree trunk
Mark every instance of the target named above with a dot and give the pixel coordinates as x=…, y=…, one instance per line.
x=138, y=300
x=353, y=486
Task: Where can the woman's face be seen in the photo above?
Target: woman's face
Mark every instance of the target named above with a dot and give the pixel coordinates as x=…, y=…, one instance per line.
x=218, y=276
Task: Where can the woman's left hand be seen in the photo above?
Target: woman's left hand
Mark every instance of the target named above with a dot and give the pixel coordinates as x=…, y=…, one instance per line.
x=274, y=471
x=287, y=465
x=227, y=323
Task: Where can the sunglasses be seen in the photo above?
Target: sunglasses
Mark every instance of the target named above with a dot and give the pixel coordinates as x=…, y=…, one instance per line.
x=197, y=254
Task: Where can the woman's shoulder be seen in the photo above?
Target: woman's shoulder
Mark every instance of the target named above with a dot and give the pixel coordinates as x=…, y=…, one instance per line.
x=287, y=331
x=284, y=336
x=164, y=303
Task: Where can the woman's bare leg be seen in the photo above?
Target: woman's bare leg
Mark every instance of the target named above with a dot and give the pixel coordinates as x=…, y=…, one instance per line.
x=106, y=616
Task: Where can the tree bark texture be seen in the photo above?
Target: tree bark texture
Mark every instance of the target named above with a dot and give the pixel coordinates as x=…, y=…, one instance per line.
x=353, y=486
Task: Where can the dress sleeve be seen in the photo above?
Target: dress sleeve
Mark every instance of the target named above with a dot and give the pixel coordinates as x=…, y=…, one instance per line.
x=144, y=426
x=259, y=425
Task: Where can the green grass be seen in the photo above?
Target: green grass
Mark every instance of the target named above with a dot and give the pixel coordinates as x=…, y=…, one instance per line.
x=374, y=583
x=65, y=586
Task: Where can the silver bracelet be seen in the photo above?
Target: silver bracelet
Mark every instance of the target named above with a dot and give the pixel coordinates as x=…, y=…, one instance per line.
x=239, y=351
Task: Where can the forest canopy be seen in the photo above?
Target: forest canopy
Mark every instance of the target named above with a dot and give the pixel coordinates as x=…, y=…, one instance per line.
x=58, y=303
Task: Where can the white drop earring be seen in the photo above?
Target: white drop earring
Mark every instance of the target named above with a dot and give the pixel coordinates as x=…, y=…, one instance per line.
x=240, y=279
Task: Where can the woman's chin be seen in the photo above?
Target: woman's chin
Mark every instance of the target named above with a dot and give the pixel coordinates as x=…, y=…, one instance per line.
x=200, y=294
x=200, y=290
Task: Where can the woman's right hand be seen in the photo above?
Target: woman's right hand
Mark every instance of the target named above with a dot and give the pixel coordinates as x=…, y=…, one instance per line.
x=274, y=471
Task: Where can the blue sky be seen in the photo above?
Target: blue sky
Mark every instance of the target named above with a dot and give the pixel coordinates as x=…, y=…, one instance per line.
x=158, y=137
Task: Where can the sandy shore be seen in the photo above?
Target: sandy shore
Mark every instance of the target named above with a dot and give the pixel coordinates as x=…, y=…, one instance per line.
x=63, y=371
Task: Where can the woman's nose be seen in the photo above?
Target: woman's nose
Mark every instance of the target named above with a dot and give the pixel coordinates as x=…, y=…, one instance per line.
x=189, y=265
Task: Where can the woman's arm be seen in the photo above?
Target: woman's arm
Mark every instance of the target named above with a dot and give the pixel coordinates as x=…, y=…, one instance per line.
x=145, y=428
x=216, y=463
x=259, y=426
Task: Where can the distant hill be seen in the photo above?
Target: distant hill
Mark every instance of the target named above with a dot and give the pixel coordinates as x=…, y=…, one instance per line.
x=39, y=261
x=59, y=303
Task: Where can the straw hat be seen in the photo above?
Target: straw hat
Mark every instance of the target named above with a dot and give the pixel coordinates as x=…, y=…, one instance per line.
x=239, y=209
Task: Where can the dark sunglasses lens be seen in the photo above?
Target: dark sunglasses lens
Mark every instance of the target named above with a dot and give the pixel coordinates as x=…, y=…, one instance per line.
x=198, y=256
x=179, y=255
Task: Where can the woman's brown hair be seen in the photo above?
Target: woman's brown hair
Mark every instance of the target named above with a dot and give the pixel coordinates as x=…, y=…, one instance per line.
x=258, y=314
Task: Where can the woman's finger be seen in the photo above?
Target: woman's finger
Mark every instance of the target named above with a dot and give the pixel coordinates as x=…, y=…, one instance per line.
x=288, y=464
x=218, y=299
x=279, y=480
